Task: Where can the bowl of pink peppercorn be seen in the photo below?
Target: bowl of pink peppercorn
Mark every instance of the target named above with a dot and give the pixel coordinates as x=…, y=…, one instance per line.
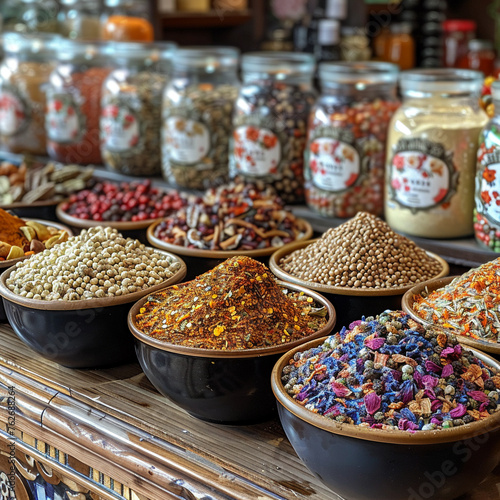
x=129, y=207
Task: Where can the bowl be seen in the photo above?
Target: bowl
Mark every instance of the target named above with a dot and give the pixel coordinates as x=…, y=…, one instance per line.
x=135, y=230
x=199, y=261
x=428, y=287
x=45, y=210
x=78, y=334
x=225, y=387
x=6, y=264
x=372, y=464
x=350, y=303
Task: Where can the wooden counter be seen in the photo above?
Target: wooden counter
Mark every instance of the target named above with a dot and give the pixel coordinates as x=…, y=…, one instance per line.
x=109, y=434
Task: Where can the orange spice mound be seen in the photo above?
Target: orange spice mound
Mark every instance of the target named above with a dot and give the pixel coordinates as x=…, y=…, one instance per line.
x=10, y=231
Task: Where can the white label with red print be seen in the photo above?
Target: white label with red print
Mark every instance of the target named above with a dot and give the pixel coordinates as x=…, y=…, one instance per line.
x=62, y=121
x=188, y=141
x=257, y=151
x=12, y=113
x=335, y=165
x=419, y=181
x=119, y=128
x=490, y=191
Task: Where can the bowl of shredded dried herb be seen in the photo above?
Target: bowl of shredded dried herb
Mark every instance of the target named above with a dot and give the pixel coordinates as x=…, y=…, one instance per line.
x=403, y=405
x=467, y=306
x=209, y=344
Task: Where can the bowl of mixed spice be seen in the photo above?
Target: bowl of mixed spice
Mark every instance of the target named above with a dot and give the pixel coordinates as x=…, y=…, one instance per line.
x=362, y=266
x=235, y=219
x=403, y=405
x=467, y=306
x=209, y=344
x=70, y=302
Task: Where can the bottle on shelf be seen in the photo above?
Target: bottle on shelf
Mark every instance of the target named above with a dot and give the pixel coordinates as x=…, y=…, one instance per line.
x=328, y=45
x=401, y=46
x=480, y=56
x=127, y=21
x=80, y=19
x=456, y=36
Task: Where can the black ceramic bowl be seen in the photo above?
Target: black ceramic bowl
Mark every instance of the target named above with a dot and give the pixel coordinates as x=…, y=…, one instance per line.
x=225, y=387
x=375, y=464
x=78, y=334
x=7, y=264
x=429, y=287
x=350, y=303
x=199, y=261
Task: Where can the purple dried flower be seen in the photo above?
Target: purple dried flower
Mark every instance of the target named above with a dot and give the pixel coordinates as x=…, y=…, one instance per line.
x=406, y=392
x=447, y=371
x=478, y=396
x=447, y=351
x=483, y=406
x=375, y=343
x=340, y=390
x=436, y=404
x=417, y=377
x=435, y=421
x=429, y=381
x=430, y=366
x=458, y=412
x=372, y=402
x=354, y=324
x=458, y=349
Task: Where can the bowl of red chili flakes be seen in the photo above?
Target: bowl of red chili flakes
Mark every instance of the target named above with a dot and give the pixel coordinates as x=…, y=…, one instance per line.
x=209, y=345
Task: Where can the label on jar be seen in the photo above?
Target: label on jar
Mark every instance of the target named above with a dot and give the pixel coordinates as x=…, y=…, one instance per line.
x=334, y=162
x=14, y=111
x=120, y=130
x=63, y=120
x=188, y=141
x=257, y=151
x=422, y=174
x=489, y=186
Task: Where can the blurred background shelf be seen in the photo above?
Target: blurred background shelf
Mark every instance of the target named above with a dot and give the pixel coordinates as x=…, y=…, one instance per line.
x=212, y=19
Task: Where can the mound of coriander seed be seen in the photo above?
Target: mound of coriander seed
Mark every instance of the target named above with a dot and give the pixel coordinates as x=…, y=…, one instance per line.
x=97, y=263
x=362, y=253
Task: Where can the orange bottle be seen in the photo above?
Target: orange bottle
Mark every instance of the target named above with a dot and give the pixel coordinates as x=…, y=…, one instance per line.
x=127, y=21
x=400, y=48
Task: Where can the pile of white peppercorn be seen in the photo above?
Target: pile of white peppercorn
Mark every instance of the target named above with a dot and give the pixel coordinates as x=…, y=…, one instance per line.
x=97, y=263
x=362, y=253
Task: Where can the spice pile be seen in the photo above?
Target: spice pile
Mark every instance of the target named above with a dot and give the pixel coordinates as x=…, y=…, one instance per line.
x=362, y=253
x=19, y=238
x=392, y=373
x=469, y=305
x=135, y=201
x=233, y=217
x=236, y=305
x=97, y=263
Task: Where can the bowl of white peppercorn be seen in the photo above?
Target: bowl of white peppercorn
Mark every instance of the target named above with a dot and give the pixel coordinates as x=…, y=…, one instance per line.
x=70, y=303
x=361, y=266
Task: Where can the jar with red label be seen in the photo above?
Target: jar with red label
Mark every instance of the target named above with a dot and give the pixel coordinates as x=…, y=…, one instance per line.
x=131, y=107
x=24, y=72
x=198, y=107
x=74, y=102
x=487, y=211
x=432, y=153
x=457, y=33
x=270, y=121
x=346, y=148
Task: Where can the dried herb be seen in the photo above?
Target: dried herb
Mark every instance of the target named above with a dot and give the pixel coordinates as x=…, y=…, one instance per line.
x=236, y=305
x=469, y=305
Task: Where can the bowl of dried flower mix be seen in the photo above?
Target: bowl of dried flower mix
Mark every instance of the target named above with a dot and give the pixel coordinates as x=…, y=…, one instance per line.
x=406, y=406
x=361, y=266
x=70, y=302
x=209, y=344
x=235, y=219
x=467, y=306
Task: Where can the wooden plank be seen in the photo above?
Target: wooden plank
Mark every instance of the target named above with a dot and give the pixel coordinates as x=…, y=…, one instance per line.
x=212, y=19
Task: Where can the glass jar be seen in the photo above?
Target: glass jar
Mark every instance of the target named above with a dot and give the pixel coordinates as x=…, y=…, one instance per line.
x=80, y=19
x=131, y=107
x=74, y=102
x=400, y=48
x=197, y=112
x=270, y=121
x=26, y=68
x=487, y=210
x=37, y=16
x=127, y=21
x=480, y=57
x=432, y=147
x=457, y=33
x=346, y=148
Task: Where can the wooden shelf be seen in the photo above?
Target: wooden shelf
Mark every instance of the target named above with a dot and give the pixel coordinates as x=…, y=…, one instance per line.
x=212, y=19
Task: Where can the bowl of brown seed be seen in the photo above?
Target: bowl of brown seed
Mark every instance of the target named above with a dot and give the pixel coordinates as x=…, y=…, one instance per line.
x=362, y=266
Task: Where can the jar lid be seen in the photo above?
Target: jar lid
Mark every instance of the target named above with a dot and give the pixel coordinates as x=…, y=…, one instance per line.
x=149, y=52
x=336, y=9
x=278, y=63
x=204, y=57
x=70, y=49
x=328, y=32
x=446, y=81
x=35, y=43
x=358, y=74
x=459, y=25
